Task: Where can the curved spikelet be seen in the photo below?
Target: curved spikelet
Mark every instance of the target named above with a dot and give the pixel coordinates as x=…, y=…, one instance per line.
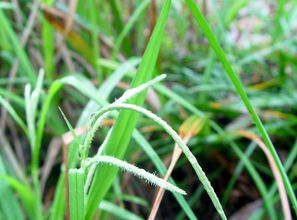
x=154, y=180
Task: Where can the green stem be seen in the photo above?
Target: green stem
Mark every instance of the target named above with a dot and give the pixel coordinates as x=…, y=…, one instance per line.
x=101, y=114
x=37, y=194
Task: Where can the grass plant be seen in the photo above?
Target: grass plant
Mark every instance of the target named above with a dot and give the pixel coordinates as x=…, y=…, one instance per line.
x=89, y=88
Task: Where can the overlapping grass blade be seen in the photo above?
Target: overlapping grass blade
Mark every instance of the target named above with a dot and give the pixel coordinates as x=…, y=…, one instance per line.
x=145, y=145
x=192, y=5
x=129, y=26
x=118, y=23
x=118, y=211
x=24, y=192
x=48, y=47
x=85, y=87
x=76, y=193
x=10, y=202
x=236, y=173
x=97, y=98
x=273, y=189
x=254, y=174
x=18, y=50
x=100, y=115
x=125, y=123
x=95, y=43
x=14, y=115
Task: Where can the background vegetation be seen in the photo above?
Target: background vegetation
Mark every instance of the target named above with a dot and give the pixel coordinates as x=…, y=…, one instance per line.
x=230, y=94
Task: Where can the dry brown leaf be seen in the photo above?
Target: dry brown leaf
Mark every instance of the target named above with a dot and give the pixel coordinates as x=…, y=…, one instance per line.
x=59, y=21
x=68, y=23
x=282, y=192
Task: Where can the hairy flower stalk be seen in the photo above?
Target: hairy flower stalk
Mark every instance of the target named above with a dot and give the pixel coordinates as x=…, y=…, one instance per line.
x=125, y=97
x=134, y=170
x=101, y=115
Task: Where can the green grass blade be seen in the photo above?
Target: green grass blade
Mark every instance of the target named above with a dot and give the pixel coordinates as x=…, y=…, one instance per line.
x=73, y=209
x=192, y=5
x=118, y=24
x=82, y=85
x=19, y=51
x=76, y=193
x=57, y=210
x=93, y=10
x=10, y=202
x=236, y=173
x=197, y=194
x=110, y=83
x=118, y=211
x=129, y=26
x=101, y=114
x=13, y=97
x=289, y=162
x=48, y=45
x=234, y=10
x=55, y=87
x=125, y=123
x=70, y=128
x=148, y=149
x=253, y=172
x=14, y=115
x=24, y=193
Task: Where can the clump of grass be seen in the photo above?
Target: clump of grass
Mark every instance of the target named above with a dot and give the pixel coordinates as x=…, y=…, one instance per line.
x=88, y=59
x=104, y=112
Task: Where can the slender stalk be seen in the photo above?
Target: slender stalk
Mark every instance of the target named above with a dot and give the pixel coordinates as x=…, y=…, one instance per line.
x=134, y=170
x=130, y=93
x=100, y=115
x=253, y=172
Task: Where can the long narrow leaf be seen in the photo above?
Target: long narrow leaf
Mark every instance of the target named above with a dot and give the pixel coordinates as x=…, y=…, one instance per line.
x=192, y=5
x=19, y=51
x=125, y=123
